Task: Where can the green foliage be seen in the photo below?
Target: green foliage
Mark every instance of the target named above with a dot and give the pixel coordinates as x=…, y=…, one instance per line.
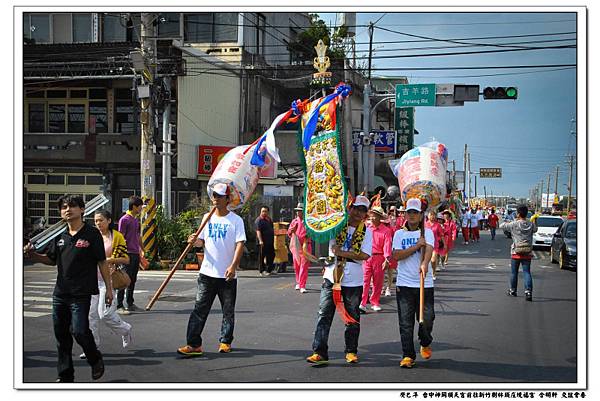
x=304, y=46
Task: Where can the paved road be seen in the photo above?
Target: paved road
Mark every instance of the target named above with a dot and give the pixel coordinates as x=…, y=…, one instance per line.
x=480, y=334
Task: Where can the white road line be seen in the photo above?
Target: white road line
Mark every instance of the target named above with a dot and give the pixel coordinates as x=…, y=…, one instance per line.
x=37, y=299
x=491, y=266
x=35, y=314
x=42, y=282
x=38, y=306
x=39, y=286
x=39, y=292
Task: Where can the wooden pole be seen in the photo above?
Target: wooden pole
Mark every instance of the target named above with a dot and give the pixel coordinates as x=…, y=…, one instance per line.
x=179, y=260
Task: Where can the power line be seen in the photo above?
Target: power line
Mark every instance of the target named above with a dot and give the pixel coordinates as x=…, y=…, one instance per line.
x=490, y=75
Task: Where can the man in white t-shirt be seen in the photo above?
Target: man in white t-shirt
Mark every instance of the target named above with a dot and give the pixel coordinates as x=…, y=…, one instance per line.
x=466, y=225
x=223, y=241
x=407, y=247
x=354, y=244
x=474, y=226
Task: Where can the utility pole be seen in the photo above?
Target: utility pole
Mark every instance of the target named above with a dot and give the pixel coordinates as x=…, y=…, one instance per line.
x=548, y=194
x=465, y=170
x=469, y=171
x=347, y=109
x=556, y=183
x=148, y=163
x=484, y=193
x=166, y=153
x=453, y=175
x=475, y=185
x=367, y=118
x=570, y=183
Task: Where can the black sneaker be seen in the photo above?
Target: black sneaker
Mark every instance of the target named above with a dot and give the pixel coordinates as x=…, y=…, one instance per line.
x=65, y=380
x=98, y=369
x=132, y=308
x=511, y=292
x=528, y=296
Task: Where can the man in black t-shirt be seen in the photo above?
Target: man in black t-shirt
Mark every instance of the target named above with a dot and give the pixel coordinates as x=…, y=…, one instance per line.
x=77, y=252
x=265, y=236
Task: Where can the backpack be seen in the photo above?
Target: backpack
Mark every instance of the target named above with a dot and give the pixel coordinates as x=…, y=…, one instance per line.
x=523, y=247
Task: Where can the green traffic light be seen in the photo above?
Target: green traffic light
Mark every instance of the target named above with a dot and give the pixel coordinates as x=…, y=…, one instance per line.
x=511, y=93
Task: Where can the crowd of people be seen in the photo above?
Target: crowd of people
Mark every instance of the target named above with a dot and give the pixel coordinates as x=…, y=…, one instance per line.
x=372, y=246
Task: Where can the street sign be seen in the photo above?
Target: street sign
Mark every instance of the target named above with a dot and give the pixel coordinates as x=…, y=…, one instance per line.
x=444, y=95
x=385, y=141
x=404, y=122
x=415, y=95
x=209, y=157
x=490, y=173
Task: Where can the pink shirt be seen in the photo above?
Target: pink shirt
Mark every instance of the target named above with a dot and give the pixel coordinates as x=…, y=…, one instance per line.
x=438, y=233
x=107, y=250
x=382, y=240
x=300, y=233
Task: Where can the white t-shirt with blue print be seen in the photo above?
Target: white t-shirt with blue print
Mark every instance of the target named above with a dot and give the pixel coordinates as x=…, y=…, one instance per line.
x=220, y=237
x=408, y=268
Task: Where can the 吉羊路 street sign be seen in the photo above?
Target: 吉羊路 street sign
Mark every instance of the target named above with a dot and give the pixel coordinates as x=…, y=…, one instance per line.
x=411, y=95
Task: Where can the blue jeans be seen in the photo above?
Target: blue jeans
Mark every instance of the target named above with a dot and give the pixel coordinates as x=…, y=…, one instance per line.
x=132, y=270
x=493, y=232
x=514, y=274
x=208, y=289
x=407, y=299
x=351, y=297
x=70, y=319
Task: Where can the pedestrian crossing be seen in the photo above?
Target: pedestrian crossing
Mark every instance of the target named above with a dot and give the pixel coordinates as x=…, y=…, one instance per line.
x=37, y=299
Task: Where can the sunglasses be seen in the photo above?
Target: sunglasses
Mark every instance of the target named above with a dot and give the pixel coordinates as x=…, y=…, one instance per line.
x=216, y=195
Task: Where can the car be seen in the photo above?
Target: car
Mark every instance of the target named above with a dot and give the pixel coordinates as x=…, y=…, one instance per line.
x=547, y=225
x=564, y=245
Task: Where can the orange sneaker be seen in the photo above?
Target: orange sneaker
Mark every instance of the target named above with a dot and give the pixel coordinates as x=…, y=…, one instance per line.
x=188, y=350
x=426, y=352
x=407, y=362
x=224, y=348
x=351, y=357
x=317, y=359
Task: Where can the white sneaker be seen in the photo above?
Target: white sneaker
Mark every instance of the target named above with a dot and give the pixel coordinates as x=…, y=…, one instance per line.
x=303, y=290
x=297, y=287
x=387, y=292
x=376, y=308
x=363, y=308
x=127, y=339
x=82, y=356
x=433, y=278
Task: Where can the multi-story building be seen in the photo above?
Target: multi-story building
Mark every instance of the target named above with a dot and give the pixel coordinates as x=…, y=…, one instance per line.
x=233, y=73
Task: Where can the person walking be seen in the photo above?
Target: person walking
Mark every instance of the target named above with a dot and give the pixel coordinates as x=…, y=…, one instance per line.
x=493, y=223
x=466, y=225
x=413, y=248
x=521, y=249
x=300, y=246
x=378, y=262
x=401, y=219
x=223, y=242
x=265, y=236
x=438, y=236
x=351, y=247
x=115, y=250
x=129, y=226
x=78, y=253
x=392, y=226
x=474, y=225
x=450, y=233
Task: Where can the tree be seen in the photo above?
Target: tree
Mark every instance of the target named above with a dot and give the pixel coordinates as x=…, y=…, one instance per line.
x=303, y=48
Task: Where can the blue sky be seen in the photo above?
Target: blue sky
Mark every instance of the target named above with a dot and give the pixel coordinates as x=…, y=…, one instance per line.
x=528, y=137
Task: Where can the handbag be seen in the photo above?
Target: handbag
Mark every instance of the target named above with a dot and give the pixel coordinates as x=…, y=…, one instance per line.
x=120, y=279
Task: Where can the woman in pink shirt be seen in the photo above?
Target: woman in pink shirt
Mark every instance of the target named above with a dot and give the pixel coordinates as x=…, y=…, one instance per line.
x=438, y=234
x=300, y=246
x=451, y=233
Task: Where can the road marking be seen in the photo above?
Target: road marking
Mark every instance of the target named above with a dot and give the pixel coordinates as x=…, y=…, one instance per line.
x=37, y=299
x=38, y=306
x=50, y=282
x=491, y=266
x=284, y=286
x=39, y=286
x=38, y=292
x=35, y=314
x=140, y=291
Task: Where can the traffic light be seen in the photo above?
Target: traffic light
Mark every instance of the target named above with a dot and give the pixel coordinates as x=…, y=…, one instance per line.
x=500, y=92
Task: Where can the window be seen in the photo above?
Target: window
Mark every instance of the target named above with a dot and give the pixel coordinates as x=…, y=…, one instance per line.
x=54, y=179
x=56, y=118
x=36, y=204
x=57, y=94
x=78, y=93
x=82, y=27
x=75, y=180
x=76, y=118
x=37, y=117
x=114, y=28
x=98, y=117
x=36, y=179
x=40, y=28
x=168, y=26
x=93, y=180
x=210, y=27
x=124, y=111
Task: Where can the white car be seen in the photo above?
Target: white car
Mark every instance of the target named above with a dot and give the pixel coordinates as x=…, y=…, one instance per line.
x=547, y=226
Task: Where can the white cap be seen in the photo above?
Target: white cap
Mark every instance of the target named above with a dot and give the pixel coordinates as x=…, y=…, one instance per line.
x=413, y=204
x=361, y=200
x=221, y=189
